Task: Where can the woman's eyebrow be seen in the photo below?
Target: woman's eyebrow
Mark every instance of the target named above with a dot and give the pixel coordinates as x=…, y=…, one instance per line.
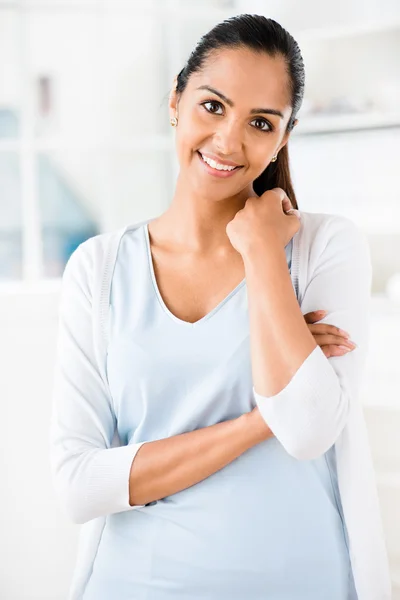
x=271, y=111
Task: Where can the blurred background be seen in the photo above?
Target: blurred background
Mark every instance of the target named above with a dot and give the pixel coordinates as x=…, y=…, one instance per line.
x=86, y=147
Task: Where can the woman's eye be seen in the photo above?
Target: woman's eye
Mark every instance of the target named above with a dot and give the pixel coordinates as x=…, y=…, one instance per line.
x=269, y=126
x=214, y=103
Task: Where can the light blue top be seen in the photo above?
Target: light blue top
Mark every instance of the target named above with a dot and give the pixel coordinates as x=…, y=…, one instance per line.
x=265, y=526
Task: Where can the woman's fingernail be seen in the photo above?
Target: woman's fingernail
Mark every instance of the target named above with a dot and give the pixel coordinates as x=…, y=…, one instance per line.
x=343, y=332
x=345, y=348
x=321, y=312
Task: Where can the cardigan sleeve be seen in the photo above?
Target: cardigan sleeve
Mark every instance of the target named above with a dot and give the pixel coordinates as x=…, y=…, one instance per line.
x=309, y=414
x=90, y=477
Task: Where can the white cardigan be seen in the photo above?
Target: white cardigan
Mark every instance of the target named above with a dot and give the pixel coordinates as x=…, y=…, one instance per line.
x=331, y=270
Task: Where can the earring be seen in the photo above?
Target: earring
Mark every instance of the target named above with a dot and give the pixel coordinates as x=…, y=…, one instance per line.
x=174, y=121
x=273, y=159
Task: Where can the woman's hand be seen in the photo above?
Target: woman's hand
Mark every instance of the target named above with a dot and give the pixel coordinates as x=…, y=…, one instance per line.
x=332, y=340
x=263, y=220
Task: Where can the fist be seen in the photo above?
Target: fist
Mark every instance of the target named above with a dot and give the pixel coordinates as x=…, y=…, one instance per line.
x=266, y=219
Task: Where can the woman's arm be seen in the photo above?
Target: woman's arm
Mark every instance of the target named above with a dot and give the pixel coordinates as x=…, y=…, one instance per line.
x=170, y=465
x=167, y=466
x=303, y=396
x=92, y=478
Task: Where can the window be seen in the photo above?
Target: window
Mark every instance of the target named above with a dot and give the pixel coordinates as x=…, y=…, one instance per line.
x=85, y=141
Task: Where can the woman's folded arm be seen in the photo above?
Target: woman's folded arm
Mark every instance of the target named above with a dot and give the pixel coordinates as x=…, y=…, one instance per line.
x=309, y=413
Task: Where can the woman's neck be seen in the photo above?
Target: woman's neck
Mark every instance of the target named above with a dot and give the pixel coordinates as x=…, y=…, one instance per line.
x=197, y=223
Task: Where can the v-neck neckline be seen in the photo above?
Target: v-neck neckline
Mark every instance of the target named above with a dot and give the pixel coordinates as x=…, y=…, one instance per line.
x=182, y=322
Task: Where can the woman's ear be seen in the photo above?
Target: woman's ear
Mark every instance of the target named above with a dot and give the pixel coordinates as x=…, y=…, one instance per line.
x=284, y=141
x=286, y=137
x=173, y=98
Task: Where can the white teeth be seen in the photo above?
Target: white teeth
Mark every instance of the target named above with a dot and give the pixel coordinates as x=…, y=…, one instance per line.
x=215, y=165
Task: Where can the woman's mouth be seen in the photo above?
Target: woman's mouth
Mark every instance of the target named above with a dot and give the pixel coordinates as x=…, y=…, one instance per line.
x=217, y=170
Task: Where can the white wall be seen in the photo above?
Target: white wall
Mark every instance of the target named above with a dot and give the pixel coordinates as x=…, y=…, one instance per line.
x=37, y=544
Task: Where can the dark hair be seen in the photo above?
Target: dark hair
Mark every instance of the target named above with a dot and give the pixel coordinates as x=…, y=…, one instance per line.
x=261, y=35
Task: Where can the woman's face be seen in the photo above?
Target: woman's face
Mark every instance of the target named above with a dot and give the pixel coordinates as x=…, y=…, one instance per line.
x=234, y=127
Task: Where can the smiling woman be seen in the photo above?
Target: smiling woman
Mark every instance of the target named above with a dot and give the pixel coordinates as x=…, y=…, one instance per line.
x=243, y=469
x=241, y=109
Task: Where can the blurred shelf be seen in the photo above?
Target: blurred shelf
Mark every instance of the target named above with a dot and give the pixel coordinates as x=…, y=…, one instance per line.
x=346, y=31
x=378, y=228
x=345, y=122
x=388, y=480
x=133, y=143
x=84, y=6
x=381, y=305
x=380, y=391
x=22, y=288
x=396, y=584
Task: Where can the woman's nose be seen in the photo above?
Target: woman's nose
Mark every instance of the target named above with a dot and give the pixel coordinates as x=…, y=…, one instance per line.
x=229, y=138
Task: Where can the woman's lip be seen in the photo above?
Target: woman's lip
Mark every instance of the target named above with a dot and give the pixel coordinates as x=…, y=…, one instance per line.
x=225, y=163
x=216, y=172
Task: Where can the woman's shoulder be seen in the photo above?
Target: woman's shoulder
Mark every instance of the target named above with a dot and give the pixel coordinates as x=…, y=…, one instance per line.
x=326, y=244
x=93, y=252
x=313, y=221
x=328, y=231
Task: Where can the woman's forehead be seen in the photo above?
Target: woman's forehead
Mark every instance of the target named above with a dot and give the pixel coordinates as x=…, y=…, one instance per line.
x=245, y=76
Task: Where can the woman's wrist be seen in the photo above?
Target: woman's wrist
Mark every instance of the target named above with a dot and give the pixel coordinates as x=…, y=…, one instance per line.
x=255, y=424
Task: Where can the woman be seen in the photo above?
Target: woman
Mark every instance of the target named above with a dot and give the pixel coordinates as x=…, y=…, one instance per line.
x=243, y=469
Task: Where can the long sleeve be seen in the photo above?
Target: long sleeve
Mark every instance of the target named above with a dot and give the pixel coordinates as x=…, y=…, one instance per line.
x=90, y=477
x=309, y=414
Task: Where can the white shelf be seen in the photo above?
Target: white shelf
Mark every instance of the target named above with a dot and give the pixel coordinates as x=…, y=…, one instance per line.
x=24, y=288
x=377, y=397
x=346, y=31
x=382, y=305
x=82, y=6
x=345, y=122
x=133, y=143
x=388, y=480
x=396, y=580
